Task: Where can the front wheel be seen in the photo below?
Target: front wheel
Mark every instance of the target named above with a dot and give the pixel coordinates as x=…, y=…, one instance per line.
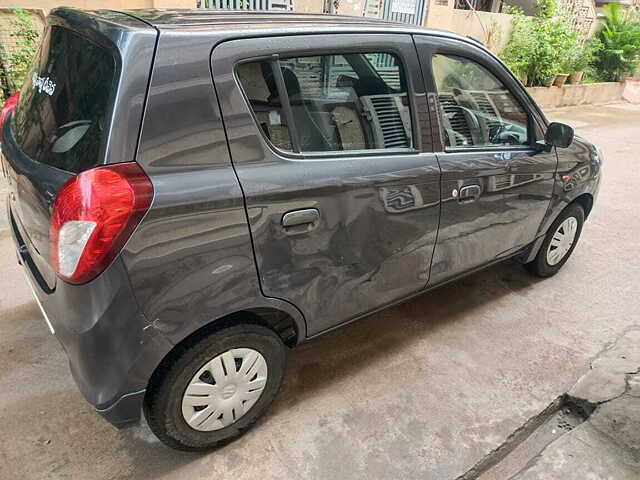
x=559, y=242
x=214, y=389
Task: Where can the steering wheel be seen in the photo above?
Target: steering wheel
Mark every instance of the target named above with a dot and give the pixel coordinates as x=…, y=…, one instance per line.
x=505, y=135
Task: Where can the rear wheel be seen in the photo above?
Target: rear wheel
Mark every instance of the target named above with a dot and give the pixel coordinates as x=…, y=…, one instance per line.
x=559, y=242
x=216, y=388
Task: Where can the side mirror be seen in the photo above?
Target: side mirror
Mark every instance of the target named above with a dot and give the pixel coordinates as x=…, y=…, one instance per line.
x=558, y=135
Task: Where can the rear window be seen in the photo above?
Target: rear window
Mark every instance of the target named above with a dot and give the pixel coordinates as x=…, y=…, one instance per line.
x=61, y=119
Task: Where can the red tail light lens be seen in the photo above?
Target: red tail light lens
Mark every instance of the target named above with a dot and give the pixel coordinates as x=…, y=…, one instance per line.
x=7, y=108
x=94, y=215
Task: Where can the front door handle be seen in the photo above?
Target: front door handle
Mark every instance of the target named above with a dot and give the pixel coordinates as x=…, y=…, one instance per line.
x=469, y=194
x=300, y=221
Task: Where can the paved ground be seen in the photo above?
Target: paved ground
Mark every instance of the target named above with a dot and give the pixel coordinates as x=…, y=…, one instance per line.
x=607, y=444
x=424, y=390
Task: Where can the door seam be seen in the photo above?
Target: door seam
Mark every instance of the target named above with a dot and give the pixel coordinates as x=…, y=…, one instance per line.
x=244, y=200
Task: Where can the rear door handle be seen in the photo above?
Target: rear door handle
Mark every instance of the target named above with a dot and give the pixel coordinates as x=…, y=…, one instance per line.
x=469, y=194
x=300, y=221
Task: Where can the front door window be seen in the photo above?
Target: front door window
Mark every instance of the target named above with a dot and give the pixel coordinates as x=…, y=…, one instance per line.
x=476, y=108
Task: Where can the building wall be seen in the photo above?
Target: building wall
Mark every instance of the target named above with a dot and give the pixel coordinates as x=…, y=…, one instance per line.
x=47, y=5
x=308, y=6
x=347, y=7
x=492, y=29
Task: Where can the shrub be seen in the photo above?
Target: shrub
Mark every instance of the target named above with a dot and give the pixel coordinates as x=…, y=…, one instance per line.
x=539, y=44
x=619, y=39
x=581, y=55
x=17, y=62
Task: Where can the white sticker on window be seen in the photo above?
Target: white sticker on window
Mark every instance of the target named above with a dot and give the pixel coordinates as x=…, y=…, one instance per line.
x=274, y=117
x=43, y=84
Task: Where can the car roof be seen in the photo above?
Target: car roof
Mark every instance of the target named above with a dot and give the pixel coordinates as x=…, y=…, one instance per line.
x=237, y=20
x=228, y=24
x=201, y=16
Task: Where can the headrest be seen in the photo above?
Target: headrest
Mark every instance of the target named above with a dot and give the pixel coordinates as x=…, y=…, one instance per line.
x=290, y=81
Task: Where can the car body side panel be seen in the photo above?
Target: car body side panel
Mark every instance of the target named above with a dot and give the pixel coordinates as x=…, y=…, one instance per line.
x=502, y=220
x=190, y=260
x=379, y=212
x=515, y=184
x=579, y=173
x=99, y=326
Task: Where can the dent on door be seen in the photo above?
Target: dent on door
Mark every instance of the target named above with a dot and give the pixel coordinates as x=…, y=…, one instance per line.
x=372, y=243
x=337, y=236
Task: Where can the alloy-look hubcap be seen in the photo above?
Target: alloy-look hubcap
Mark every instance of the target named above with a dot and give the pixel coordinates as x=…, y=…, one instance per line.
x=224, y=389
x=562, y=240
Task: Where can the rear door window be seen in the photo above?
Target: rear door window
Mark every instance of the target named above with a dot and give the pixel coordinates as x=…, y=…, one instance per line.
x=330, y=103
x=61, y=119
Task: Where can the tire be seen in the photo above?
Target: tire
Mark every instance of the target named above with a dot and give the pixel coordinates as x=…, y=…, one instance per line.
x=163, y=406
x=542, y=266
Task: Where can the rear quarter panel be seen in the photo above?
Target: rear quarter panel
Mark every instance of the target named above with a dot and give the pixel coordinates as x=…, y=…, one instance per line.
x=191, y=261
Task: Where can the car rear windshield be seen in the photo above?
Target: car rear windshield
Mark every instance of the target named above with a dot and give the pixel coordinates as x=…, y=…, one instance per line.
x=61, y=119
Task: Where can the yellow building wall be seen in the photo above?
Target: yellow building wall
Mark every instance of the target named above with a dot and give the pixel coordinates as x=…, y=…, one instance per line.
x=47, y=5
x=308, y=6
x=492, y=29
x=314, y=6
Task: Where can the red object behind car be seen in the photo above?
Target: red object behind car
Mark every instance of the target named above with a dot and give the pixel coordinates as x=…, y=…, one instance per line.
x=9, y=106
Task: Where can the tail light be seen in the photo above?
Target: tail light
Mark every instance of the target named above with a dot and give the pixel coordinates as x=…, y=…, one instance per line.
x=94, y=215
x=7, y=108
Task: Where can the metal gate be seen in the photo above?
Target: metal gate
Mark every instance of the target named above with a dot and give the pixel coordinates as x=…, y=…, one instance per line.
x=404, y=11
x=277, y=5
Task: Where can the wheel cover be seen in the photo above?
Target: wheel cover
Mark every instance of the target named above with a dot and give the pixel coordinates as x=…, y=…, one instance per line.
x=224, y=389
x=562, y=240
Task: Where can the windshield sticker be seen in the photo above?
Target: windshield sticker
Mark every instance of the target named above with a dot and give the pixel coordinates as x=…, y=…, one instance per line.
x=43, y=84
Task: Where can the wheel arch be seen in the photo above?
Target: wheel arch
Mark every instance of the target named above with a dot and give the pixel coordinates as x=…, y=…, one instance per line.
x=585, y=200
x=278, y=320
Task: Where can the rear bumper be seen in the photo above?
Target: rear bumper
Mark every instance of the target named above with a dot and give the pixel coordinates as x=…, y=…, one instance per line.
x=126, y=411
x=112, y=350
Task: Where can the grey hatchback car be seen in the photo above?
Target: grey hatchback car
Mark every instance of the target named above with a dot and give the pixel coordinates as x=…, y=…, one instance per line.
x=191, y=194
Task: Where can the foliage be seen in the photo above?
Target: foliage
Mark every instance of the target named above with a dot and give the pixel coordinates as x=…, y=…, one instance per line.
x=18, y=60
x=581, y=55
x=5, y=87
x=591, y=75
x=539, y=44
x=619, y=39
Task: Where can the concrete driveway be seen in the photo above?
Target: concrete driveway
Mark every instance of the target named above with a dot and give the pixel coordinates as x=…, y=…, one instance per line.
x=424, y=390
